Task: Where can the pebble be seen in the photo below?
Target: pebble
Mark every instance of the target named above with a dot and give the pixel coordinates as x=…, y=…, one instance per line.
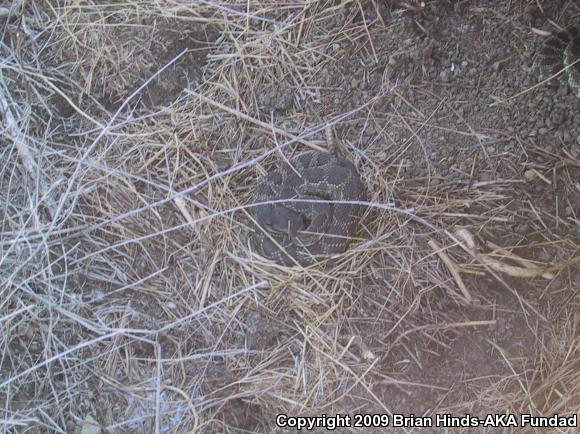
x=485, y=177
x=70, y=425
x=529, y=175
x=523, y=228
x=566, y=137
x=563, y=90
x=557, y=117
x=98, y=296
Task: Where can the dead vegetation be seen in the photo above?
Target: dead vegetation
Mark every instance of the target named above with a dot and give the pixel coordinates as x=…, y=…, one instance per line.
x=132, y=136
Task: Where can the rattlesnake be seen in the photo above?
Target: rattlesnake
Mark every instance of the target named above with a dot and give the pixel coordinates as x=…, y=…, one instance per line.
x=298, y=232
x=559, y=51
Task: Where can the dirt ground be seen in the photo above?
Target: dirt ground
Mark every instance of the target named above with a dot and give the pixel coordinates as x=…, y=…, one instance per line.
x=133, y=136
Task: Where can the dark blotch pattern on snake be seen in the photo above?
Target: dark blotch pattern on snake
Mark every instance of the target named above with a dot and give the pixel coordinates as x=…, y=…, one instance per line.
x=559, y=51
x=297, y=232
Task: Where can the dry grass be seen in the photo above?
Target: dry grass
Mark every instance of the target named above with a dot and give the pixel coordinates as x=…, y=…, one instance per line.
x=129, y=294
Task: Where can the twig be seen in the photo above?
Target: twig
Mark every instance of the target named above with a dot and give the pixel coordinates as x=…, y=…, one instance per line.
x=264, y=125
x=524, y=262
x=511, y=270
x=23, y=148
x=453, y=268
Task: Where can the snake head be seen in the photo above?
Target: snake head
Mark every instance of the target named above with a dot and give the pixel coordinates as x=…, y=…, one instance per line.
x=282, y=220
x=309, y=220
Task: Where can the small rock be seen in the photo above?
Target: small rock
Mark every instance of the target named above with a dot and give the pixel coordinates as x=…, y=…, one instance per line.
x=485, y=177
x=523, y=228
x=444, y=76
x=563, y=90
x=90, y=426
x=529, y=175
x=70, y=426
x=276, y=99
x=566, y=137
x=557, y=117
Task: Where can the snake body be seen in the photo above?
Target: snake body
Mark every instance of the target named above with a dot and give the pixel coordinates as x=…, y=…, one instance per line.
x=559, y=51
x=300, y=232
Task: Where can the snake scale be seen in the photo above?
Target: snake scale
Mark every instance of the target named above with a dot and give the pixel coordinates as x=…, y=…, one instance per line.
x=300, y=232
x=559, y=51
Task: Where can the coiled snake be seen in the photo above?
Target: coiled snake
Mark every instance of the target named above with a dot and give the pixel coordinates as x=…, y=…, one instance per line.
x=559, y=51
x=297, y=232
